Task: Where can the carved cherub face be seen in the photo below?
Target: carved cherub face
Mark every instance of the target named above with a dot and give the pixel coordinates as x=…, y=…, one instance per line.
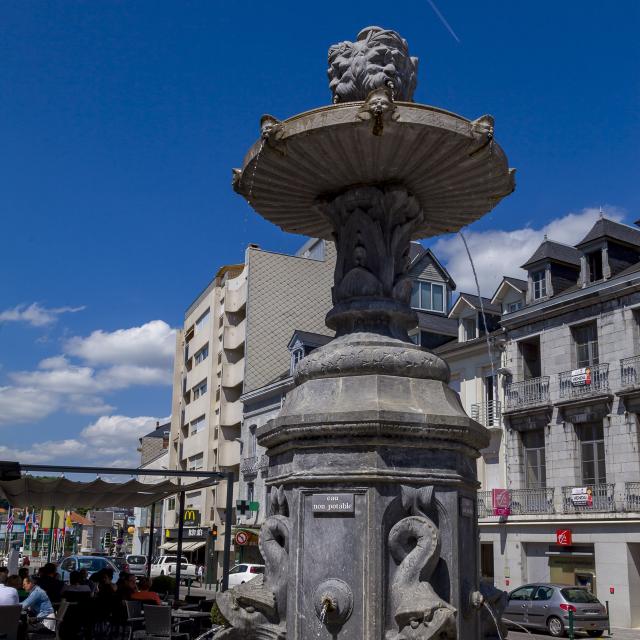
x=379, y=102
x=379, y=58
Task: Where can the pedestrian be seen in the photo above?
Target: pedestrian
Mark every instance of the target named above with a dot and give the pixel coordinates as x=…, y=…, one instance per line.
x=200, y=574
x=26, y=562
x=49, y=581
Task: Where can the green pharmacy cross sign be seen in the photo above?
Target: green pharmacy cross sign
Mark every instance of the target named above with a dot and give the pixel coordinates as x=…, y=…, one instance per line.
x=244, y=506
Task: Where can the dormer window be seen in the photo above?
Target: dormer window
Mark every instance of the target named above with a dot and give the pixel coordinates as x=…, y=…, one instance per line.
x=428, y=296
x=512, y=307
x=297, y=353
x=539, y=281
x=594, y=260
x=469, y=328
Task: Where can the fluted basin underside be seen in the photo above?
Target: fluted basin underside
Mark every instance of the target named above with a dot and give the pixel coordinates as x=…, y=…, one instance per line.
x=451, y=165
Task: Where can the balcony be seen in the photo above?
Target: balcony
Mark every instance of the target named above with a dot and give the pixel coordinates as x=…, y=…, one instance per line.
x=527, y=393
x=522, y=502
x=236, y=298
x=597, y=498
x=234, y=335
x=487, y=414
x=582, y=383
x=252, y=465
x=632, y=496
x=231, y=413
x=232, y=374
x=630, y=372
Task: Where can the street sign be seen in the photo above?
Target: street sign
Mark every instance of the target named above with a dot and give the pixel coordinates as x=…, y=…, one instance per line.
x=563, y=537
x=242, y=537
x=332, y=503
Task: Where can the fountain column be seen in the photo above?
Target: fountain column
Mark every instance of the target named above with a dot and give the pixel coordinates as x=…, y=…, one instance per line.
x=372, y=460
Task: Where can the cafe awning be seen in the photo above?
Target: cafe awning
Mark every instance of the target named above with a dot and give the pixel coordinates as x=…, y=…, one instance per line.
x=38, y=492
x=172, y=547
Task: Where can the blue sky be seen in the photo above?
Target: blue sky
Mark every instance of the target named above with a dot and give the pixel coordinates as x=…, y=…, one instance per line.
x=120, y=123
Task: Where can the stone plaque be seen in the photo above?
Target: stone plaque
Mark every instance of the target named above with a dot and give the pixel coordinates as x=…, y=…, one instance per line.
x=466, y=507
x=332, y=503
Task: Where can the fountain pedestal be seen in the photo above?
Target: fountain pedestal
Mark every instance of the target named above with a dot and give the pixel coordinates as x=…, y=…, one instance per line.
x=373, y=527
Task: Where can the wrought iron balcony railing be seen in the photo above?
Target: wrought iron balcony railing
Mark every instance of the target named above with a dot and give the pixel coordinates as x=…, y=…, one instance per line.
x=521, y=502
x=630, y=372
x=584, y=382
x=487, y=413
x=632, y=496
x=253, y=464
x=594, y=498
x=527, y=393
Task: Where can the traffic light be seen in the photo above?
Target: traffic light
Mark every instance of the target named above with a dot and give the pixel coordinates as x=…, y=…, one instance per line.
x=108, y=539
x=214, y=531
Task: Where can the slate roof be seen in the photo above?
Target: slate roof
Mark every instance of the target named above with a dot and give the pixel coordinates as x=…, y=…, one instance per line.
x=605, y=228
x=309, y=338
x=474, y=301
x=159, y=432
x=556, y=252
x=521, y=285
x=437, y=324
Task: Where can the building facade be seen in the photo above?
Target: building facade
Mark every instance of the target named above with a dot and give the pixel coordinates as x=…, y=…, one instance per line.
x=230, y=343
x=562, y=501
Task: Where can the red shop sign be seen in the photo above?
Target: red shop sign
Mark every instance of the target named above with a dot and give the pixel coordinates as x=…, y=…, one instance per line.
x=563, y=537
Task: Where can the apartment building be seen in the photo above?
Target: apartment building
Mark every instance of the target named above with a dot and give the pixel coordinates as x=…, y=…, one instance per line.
x=231, y=341
x=560, y=496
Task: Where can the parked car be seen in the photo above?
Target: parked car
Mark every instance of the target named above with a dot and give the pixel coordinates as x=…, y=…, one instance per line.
x=137, y=565
x=120, y=563
x=547, y=606
x=166, y=566
x=242, y=573
x=90, y=563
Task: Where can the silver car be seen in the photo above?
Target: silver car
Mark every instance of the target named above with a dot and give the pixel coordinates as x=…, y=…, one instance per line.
x=137, y=565
x=547, y=606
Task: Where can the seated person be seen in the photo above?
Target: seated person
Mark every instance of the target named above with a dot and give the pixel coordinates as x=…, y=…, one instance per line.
x=49, y=581
x=38, y=603
x=4, y=574
x=126, y=586
x=75, y=585
x=8, y=591
x=144, y=593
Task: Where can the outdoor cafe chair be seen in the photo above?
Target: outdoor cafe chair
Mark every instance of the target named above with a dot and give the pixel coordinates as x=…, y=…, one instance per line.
x=134, y=624
x=158, y=624
x=9, y=620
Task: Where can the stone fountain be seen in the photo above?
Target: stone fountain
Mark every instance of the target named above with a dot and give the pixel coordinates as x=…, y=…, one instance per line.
x=372, y=532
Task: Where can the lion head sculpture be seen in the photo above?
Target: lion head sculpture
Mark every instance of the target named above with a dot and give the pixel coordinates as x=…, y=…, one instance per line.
x=378, y=59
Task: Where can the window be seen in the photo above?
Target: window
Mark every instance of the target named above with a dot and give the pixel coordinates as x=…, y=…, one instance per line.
x=200, y=389
x=524, y=593
x=202, y=321
x=202, y=354
x=428, y=296
x=594, y=261
x=193, y=500
x=196, y=425
x=535, y=469
x=296, y=355
x=543, y=593
x=251, y=445
x=539, y=281
x=194, y=463
x=250, y=491
x=586, y=341
x=469, y=328
x=591, y=438
x=512, y=307
x=171, y=504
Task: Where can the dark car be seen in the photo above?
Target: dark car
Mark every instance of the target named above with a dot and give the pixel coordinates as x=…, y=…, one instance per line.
x=120, y=563
x=547, y=606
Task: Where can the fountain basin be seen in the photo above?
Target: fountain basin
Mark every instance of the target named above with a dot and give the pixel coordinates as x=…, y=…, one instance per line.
x=452, y=165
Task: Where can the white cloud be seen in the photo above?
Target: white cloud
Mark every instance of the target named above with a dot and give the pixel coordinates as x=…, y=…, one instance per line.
x=497, y=253
x=109, y=441
x=151, y=345
x=35, y=315
x=25, y=405
x=139, y=356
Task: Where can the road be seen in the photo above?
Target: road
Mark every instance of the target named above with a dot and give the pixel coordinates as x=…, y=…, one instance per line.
x=616, y=634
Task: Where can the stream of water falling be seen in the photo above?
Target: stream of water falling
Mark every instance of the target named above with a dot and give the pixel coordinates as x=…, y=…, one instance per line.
x=486, y=605
x=255, y=168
